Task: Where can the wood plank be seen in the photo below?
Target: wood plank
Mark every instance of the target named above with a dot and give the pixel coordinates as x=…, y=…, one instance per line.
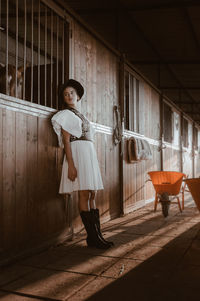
x=100, y=87
x=9, y=220
x=32, y=176
x=1, y=180
x=42, y=210
x=53, y=200
x=94, y=99
x=21, y=180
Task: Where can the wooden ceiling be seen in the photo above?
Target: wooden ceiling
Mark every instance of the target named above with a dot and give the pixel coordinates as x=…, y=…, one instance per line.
x=161, y=38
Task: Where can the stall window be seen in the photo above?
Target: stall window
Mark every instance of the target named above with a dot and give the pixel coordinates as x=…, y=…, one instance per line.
x=131, y=103
x=195, y=138
x=185, y=133
x=33, y=51
x=167, y=123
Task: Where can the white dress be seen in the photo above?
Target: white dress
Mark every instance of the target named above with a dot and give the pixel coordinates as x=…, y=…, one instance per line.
x=83, y=153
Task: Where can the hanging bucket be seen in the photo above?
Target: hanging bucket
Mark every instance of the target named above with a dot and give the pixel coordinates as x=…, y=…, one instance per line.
x=194, y=188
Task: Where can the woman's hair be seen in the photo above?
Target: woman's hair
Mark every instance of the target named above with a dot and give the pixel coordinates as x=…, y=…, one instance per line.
x=62, y=104
x=70, y=83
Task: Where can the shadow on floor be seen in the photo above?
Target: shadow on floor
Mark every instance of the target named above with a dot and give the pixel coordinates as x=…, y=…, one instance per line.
x=156, y=248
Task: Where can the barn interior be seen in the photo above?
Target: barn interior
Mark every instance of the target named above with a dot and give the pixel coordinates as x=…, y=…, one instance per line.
x=161, y=39
x=138, y=61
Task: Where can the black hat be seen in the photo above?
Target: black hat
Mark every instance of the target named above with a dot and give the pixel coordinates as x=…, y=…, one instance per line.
x=74, y=84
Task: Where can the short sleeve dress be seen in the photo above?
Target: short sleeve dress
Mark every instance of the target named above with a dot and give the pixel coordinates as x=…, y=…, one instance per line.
x=83, y=152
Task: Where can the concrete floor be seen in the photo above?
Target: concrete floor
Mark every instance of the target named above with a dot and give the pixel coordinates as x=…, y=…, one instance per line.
x=154, y=258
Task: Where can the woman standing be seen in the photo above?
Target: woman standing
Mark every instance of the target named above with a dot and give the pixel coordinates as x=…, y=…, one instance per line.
x=80, y=171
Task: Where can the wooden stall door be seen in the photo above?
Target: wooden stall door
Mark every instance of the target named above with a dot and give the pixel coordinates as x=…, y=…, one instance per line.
x=187, y=154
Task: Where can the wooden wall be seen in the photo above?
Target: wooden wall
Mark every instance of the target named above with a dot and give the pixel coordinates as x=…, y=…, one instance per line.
x=31, y=210
x=137, y=188
x=98, y=70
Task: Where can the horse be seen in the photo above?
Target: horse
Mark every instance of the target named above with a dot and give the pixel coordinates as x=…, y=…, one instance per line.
x=11, y=78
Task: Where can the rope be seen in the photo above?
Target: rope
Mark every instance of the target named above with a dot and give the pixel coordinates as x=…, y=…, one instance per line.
x=117, y=132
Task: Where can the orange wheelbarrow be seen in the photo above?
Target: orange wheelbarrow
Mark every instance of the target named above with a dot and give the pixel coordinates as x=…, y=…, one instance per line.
x=167, y=183
x=194, y=187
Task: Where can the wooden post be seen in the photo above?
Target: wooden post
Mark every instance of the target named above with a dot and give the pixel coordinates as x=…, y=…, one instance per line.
x=181, y=144
x=121, y=146
x=161, y=131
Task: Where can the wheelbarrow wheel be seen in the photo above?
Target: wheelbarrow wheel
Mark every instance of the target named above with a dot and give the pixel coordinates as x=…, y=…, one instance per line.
x=165, y=203
x=165, y=208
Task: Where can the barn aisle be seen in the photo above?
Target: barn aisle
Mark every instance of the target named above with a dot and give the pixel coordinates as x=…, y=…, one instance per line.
x=154, y=258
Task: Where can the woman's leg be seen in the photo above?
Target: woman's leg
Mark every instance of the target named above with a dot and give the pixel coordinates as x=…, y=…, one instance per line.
x=93, y=237
x=83, y=202
x=92, y=202
x=95, y=213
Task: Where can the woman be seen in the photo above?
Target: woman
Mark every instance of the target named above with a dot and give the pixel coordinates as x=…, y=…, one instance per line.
x=80, y=171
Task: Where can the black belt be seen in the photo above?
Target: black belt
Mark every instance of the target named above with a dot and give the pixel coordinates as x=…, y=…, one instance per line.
x=81, y=138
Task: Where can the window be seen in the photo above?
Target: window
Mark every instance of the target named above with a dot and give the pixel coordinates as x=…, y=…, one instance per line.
x=167, y=123
x=176, y=128
x=33, y=51
x=131, y=107
x=195, y=140
x=185, y=133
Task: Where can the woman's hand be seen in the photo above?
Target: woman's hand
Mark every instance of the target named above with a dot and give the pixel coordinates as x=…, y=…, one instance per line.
x=72, y=172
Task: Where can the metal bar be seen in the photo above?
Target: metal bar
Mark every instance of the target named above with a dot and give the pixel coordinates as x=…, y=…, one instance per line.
x=25, y=33
x=7, y=12
x=45, y=59
x=57, y=31
x=38, y=92
x=51, y=94
x=66, y=50
x=32, y=51
x=63, y=51
x=1, y=28
x=28, y=15
x=17, y=49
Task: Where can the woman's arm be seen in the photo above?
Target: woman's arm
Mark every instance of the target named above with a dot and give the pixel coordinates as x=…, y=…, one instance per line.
x=72, y=172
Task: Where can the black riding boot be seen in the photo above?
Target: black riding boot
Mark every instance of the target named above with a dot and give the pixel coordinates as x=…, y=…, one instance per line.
x=93, y=238
x=95, y=213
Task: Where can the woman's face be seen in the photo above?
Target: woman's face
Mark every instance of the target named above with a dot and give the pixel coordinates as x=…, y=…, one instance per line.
x=70, y=96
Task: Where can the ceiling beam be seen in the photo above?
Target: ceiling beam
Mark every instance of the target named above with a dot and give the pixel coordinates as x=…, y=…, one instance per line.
x=133, y=8
x=156, y=62
x=187, y=103
x=179, y=88
x=192, y=112
x=191, y=28
x=160, y=58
